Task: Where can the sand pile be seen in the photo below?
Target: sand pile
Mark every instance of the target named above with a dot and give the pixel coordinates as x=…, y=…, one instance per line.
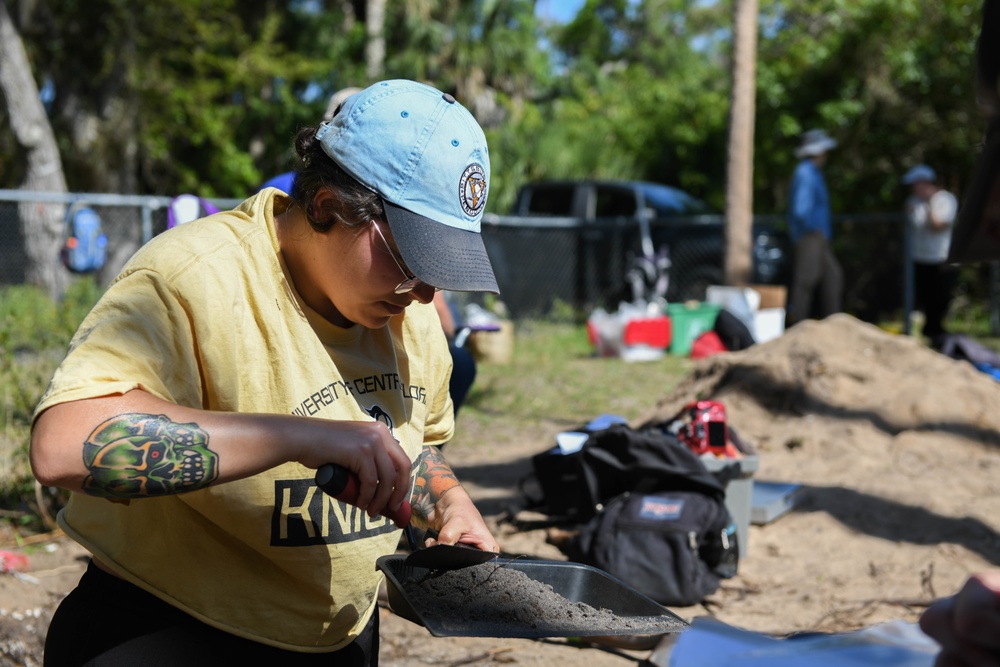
x=896, y=447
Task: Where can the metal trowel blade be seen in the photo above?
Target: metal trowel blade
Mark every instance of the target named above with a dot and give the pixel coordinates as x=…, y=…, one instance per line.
x=448, y=557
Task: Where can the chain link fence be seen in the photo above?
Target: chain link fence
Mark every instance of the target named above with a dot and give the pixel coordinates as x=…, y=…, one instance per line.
x=546, y=264
x=563, y=267
x=128, y=220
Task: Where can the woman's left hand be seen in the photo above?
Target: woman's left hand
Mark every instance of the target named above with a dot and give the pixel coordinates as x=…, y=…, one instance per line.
x=462, y=522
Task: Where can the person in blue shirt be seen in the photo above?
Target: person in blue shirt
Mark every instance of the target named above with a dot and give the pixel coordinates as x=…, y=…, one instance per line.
x=816, y=273
x=283, y=182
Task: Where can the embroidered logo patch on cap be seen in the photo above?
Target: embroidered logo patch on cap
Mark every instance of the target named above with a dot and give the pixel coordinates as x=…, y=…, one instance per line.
x=472, y=190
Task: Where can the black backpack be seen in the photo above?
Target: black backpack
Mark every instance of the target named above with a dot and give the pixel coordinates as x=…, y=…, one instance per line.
x=733, y=333
x=653, y=515
x=674, y=546
x=614, y=460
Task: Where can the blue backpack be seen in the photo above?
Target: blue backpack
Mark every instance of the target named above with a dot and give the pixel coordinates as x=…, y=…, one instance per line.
x=85, y=247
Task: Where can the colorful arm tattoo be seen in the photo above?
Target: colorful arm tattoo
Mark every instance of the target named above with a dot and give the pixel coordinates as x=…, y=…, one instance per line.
x=434, y=478
x=136, y=455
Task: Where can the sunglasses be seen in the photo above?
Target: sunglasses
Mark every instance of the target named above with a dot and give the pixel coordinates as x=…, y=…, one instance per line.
x=410, y=282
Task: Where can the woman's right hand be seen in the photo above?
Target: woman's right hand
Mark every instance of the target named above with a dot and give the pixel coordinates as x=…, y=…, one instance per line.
x=369, y=450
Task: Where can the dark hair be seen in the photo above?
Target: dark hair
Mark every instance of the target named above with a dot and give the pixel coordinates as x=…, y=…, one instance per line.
x=354, y=203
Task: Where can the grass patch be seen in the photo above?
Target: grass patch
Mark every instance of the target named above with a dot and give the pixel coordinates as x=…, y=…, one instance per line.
x=554, y=382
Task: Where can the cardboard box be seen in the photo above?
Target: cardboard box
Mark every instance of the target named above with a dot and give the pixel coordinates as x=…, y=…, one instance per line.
x=771, y=296
x=739, y=493
x=493, y=347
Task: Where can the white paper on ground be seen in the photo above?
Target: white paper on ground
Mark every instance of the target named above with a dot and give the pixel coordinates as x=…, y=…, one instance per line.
x=570, y=441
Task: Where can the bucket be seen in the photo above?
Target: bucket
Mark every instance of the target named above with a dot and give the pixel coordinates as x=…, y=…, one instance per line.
x=687, y=322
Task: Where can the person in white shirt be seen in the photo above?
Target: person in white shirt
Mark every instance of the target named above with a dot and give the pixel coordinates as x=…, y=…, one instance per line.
x=930, y=212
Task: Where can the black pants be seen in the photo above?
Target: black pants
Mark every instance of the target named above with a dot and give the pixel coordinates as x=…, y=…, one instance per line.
x=933, y=285
x=816, y=275
x=463, y=374
x=108, y=622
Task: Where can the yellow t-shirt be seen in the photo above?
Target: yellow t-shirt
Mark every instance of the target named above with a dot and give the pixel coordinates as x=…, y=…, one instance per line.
x=205, y=316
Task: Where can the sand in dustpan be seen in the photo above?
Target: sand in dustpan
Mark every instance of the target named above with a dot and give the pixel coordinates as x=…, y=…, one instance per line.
x=495, y=599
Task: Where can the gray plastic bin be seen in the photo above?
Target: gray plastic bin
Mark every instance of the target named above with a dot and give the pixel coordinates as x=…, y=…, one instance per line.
x=739, y=493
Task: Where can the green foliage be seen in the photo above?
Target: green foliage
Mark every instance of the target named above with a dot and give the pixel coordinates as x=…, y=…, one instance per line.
x=636, y=100
x=191, y=88
x=564, y=313
x=207, y=95
x=31, y=321
x=892, y=81
x=34, y=335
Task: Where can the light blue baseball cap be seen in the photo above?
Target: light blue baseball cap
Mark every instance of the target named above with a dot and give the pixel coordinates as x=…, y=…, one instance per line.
x=426, y=156
x=919, y=173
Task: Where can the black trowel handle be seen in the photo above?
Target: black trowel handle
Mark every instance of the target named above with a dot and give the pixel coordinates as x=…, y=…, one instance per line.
x=342, y=484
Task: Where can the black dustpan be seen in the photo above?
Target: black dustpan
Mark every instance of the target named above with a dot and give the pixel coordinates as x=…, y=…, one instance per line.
x=634, y=613
x=338, y=482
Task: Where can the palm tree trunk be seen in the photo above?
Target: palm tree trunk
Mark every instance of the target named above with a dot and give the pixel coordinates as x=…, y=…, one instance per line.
x=739, y=181
x=375, y=33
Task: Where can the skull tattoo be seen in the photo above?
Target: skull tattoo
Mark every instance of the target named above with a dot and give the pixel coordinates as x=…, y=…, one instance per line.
x=136, y=455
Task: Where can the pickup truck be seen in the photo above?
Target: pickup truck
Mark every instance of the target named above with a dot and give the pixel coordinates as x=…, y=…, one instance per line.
x=652, y=217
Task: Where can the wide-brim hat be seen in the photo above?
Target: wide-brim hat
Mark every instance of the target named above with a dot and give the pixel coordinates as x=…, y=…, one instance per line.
x=815, y=142
x=426, y=156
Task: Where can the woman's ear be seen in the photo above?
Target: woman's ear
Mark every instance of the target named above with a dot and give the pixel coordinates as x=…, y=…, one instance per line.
x=322, y=208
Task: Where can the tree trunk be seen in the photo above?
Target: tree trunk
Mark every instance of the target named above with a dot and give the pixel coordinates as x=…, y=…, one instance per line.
x=739, y=171
x=41, y=224
x=375, y=46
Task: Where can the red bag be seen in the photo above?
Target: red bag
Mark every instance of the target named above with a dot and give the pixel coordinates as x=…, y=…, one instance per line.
x=651, y=331
x=706, y=345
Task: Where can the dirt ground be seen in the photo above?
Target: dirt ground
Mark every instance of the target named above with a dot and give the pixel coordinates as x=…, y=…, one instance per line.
x=896, y=447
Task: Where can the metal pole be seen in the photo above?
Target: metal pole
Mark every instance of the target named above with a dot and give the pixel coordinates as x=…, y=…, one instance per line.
x=994, y=300
x=147, y=223
x=907, y=278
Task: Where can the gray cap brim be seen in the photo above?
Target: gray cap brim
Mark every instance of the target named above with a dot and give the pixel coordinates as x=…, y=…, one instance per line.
x=442, y=256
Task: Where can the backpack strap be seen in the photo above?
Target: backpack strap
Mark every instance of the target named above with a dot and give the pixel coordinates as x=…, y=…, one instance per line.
x=74, y=205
